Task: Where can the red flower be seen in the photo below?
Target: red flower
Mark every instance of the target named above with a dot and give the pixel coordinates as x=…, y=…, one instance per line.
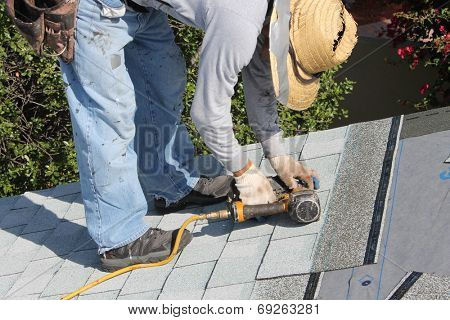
x=401, y=53
x=409, y=49
x=447, y=49
x=415, y=62
x=442, y=29
x=424, y=88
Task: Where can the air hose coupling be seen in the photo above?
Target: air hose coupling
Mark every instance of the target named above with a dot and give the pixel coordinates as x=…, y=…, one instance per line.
x=221, y=214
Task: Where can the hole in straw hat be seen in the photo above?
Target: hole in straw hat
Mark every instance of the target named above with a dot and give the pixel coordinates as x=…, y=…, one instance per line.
x=341, y=33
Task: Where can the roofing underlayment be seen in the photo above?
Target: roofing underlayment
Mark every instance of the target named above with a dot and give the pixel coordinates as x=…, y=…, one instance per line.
x=383, y=233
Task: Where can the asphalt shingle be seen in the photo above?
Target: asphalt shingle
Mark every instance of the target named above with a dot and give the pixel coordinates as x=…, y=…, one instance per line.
x=18, y=217
x=206, y=268
x=287, y=288
x=148, y=295
x=187, y=282
x=343, y=240
x=253, y=229
x=327, y=135
x=66, y=189
x=7, y=204
x=35, y=198
x=287, y=257
x=239, y=255
x=254, y=152
x=207, y=244
x=240, y=291
x=150, y=279
x=30, y=242
x=8, y=237
x=322, y=149
x=153, y=220
x=76, y=209
x=175, y=220
x=110, y=295
x=15, y=262
x=36, y=277
x=67, y=279
x=50, y=214
x=110, y=285
x=429, y=286
x=63, y=240
x=326, y=168
x=293, y=145
x=87, y=258
x=6, y=282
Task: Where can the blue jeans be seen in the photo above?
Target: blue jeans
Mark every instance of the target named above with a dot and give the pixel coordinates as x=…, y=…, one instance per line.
x=125, y=89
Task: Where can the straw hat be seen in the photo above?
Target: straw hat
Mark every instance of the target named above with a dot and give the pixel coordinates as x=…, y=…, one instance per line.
x=322, y=35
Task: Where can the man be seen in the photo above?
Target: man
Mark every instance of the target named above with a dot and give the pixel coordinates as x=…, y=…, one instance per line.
x=233, y=43
x=125, y=87
x=101, y=97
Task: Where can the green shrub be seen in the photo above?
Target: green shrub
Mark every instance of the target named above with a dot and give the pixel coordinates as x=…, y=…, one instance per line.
x=36, y=146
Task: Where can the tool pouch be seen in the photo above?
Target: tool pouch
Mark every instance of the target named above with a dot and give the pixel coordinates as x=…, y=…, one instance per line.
x=46, y=22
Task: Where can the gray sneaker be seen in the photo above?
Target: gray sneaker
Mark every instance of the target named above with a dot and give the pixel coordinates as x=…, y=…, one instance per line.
x=207, y=191
x=153, y=246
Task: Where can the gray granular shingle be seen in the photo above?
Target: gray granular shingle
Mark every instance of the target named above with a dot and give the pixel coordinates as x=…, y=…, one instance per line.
x=428, y=287
x=343, y=240
x=286, y=288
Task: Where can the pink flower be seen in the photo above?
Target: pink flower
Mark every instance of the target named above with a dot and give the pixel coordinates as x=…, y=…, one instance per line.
x=447, y=49
x=409, y=49
x=415, y=62
x=424, y=88
x=401, y=53
x=442, y=29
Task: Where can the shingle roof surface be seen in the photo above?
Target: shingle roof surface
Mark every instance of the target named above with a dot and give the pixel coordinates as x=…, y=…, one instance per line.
x=45, y=251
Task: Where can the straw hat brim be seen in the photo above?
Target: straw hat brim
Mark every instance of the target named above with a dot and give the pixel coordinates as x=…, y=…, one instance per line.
x=315, y=56
x=303, y=88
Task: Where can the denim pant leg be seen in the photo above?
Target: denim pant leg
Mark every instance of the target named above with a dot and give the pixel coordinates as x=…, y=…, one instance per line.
x=102, y=106
x=157, y=69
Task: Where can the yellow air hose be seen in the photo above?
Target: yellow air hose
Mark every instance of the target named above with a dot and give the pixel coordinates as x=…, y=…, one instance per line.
x=223, y=214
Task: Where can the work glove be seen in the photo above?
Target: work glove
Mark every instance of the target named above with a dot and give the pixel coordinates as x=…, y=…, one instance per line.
x=289, y=170
x=254, y=188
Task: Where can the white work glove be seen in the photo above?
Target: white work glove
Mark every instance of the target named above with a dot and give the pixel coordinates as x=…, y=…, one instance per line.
x=254, y=187
x=288, y=169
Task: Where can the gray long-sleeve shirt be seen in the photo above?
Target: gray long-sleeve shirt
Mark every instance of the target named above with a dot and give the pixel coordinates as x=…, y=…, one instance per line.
x=231, y=45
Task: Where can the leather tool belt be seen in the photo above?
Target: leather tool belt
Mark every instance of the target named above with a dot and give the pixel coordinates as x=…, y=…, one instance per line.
x=46, y=22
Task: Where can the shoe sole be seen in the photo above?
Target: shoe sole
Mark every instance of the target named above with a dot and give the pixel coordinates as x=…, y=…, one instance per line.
x=111, y=265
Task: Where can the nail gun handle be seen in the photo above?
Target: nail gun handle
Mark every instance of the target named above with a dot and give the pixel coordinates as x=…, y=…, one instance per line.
x=242, y=212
